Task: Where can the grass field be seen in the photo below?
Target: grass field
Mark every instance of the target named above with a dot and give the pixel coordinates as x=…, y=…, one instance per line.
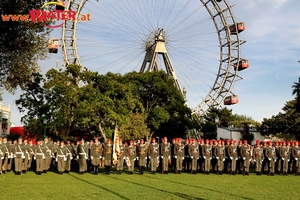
x=148, y=186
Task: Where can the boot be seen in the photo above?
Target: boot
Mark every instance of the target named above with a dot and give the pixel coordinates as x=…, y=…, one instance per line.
x=108, y=170
x=143, y=168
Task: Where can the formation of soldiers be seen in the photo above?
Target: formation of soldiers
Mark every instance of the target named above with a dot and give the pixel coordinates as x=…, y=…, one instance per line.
x=189, y=156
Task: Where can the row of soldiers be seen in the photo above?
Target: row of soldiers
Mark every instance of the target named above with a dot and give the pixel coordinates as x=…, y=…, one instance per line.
x=190, y=156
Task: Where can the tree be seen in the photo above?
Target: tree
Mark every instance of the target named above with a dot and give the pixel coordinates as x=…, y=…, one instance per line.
x=22, y=45
x=296, y=91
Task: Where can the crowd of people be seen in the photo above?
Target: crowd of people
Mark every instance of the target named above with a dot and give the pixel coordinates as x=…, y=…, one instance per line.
x=177, y=156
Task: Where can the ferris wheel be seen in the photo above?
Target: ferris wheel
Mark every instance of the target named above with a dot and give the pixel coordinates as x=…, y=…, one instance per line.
x=196, y=42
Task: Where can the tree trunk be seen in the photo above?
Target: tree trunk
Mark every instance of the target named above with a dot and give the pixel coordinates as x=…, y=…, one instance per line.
x=102, y=132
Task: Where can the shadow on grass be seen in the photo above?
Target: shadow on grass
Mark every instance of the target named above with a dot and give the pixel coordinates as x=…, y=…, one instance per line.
x=99, y=186
x=196, y=186
x=181, y=195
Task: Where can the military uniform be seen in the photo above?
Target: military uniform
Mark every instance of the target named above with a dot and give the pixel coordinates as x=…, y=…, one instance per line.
x=130, y=157
x=296, y=155
x=48, y=146
x=121, y=156
x=27, y=156
x=19, y=156
x=31, y=150
x=285, y=152
x=219, y=153
x=142, y=155
x=233, y=156
x=271, y=156
x=207, y=155
x=82, y=152
x=107, y=155
x=194, y=155
x=246, y=157
x=39, y=157
x=258, y=157
x=9, y=155
x=70, y=154
x=2, y=155
x=61, y=157
x=187, y=160
x=179, y=155
x=165, y=152
x=154, y=155
x=96, y=155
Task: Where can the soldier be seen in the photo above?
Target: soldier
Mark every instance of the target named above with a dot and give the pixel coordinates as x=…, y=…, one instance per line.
x=31, y=150
x=75, y=165
x=227, y=162
x=194, y=155
x=142, y=155
x=296, y=155
x=233, y=155
x=130, y=157
x=154, y=155
x=96, y=155
x=258, y=157
x=48, y=146
x=278, y=158
x=179, y=155
x=265, y=162
x=165, y=151
x=39, y=157
x=207, y=155
x=271, y=156
x=70, y=153
x=121, y=156
x=107, y=156
x=173, y=159
x=82, y=155
x=61, y=157
x=246, y=156
x=285, y=152
x=19, y=156
x=219, y=152
x=10, y=155
x=27, y=156
x=2, y=154
x=187, y=160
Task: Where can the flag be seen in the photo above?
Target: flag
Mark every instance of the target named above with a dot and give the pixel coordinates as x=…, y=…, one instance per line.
x=116, y=147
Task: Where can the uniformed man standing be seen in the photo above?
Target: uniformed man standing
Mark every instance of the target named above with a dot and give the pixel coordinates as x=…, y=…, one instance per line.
x=82, y=152
x=187, y=160
x=121, y=156
x=107, y=156
x=27, y=156
x=219, y=152
x=165, y=149
x=19, y=156
x=285, y=152
x=70, y=153
x=296, y=155
x=130, y=157
x=9, y=155
x=194, y=155
x=179, y=155
x=207, y=155
x=246, y=156
x=233, y=155
x=258, y=157
x=48, y=146
x=61, y=157
x=154, y=155
x=31, y=150
x=2, y=154
x=142, y=155
x=271, y=156
x=96, y=155
x=39, y=157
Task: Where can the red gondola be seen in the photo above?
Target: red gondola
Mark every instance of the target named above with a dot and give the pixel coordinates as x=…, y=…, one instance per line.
x=237, y=28
x=53, y=45
x=230, y=100
x=242, y=64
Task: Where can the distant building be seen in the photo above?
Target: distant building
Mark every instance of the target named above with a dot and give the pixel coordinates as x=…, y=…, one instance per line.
x=235, y=134
x=4, y=119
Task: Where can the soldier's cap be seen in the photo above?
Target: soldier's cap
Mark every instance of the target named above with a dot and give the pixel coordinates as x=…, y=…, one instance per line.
x=245, y=141
x=270, y=142
x=257, y=141
x=120, y=139
x=108, y=140
x=222, y=141
x=288, y=143
x=131, y=141
x=40, y=139
x=218, y=141
x=227, y=141
x=153, y=139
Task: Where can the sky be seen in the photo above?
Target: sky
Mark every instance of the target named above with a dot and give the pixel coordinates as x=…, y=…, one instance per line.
x=272, y=48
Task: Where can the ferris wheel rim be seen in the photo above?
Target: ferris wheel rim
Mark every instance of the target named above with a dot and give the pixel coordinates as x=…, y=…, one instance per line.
x=229, y=49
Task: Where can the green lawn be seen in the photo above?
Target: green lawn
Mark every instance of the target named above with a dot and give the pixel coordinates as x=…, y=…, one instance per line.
x=148, y=186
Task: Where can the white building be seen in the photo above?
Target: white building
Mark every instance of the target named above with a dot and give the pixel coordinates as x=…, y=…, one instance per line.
x=235, y=134
x=4, y=120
